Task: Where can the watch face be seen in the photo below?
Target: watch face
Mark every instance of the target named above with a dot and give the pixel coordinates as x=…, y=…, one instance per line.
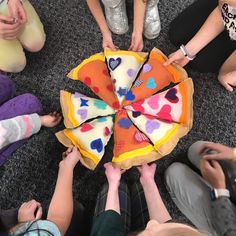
x=213, y=195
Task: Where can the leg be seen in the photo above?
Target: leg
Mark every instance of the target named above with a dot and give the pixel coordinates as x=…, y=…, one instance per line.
x=115, y=11
x=23, y=104
x=7, y=88
x=194, y=153
x=124, y=199
x=152, y=23
x=191, y=195
x=12, y=56
x=139, y=209
x=32, y=36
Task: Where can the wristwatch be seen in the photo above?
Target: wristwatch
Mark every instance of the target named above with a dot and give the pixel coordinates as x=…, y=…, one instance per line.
x=217, y=193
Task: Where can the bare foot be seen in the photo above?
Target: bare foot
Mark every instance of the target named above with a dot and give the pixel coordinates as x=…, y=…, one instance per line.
x=51, y=120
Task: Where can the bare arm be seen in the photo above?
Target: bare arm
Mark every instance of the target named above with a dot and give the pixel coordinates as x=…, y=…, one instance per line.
x=156, y=207
x=212, y=27
x=112, y=202
x=96, y=10
x=61, y=206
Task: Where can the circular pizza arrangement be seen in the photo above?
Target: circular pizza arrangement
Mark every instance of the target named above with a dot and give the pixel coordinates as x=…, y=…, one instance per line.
x=145, y=105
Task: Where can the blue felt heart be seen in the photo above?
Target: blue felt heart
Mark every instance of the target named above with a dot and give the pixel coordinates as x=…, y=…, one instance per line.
x=114, y=63
x=151, y=83
x=124, y=123
x=171, y=95
x=130, y=96
x=97, y=145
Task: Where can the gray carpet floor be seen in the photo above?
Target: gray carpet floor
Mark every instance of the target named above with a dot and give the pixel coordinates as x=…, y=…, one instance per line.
x=72, y=35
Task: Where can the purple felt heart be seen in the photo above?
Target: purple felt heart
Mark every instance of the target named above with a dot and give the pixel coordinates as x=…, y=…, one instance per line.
x=78, y=95
x=130, y=96
x=97, y=145
x=124, y=123
x=83, y=113
x=146, y=68
x=171, y=95
x=152, y=125
x=131, y=73
x=114, y=63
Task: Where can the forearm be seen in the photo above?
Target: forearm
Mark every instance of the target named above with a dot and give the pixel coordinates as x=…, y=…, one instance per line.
x=96, y=10
x=61, y=206
x=212, y=27
x=18, y=128
x=156, y=208
x=112, y=202
x=139, y=13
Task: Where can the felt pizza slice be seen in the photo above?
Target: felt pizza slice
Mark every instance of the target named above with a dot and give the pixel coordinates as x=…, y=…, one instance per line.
x=78, y=108
x=94, y=73
x=90, y=138
x=172, y=105
x=163, y=135
x=154, y=76
x=131, y=147
x=124, y=67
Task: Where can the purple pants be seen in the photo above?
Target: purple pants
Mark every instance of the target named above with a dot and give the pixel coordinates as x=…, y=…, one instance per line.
x=12, y=107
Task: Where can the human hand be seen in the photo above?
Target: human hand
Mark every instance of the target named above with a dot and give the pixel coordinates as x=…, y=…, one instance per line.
x=220, y=152
x=113, y=174
x=107, y=42
x=9, y=28
x=27, y=211
x=17, y=11
x=228, y=80
x=51, y=120
x=136, y=42
x=177, y=57
x=213, y=173
x=70, y=157
x=147, y=173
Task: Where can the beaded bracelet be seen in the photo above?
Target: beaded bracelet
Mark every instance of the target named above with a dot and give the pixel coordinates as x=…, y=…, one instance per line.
x=186, y=53
x=234, y=155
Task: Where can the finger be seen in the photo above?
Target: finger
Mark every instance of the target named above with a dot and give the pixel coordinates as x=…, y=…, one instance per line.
x=154, y=166
x=69, y=150
x=227, y=86
x=22, y=14
x=169, y=61
x=216, y=165
x=139, y=169
x=216, y=156
x=39, y=213
x=8, y=19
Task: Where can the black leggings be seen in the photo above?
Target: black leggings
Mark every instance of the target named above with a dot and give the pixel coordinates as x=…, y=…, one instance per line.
x=187, y=24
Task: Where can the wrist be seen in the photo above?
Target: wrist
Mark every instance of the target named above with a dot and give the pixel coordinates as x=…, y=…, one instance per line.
x=147, y=182
x=220, y=185
x=113, y=185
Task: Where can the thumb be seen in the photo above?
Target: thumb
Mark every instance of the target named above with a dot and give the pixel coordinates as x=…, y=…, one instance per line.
x=39, y=213
x=227, y=86
x=216, y=165
x=169, y=61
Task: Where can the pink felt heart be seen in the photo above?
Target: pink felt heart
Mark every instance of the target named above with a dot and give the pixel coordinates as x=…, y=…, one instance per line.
x=153, y=101
x=137, y=106
x=120, y=145
x=86, y=127
x=140, y=137
x=164, y=113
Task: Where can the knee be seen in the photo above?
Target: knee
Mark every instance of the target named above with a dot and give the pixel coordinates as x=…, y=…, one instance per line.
x=34, y=46
x=31, y=103
x=15, y=65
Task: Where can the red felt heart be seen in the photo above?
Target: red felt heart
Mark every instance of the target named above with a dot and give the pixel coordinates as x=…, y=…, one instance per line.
x=110, y=87
x=137, y=106
x=87, y=81
x=164, y=113
x=107, y=131
x=86, y=127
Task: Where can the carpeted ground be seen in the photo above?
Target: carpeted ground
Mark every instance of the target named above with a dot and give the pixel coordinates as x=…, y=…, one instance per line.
x=72, y=35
